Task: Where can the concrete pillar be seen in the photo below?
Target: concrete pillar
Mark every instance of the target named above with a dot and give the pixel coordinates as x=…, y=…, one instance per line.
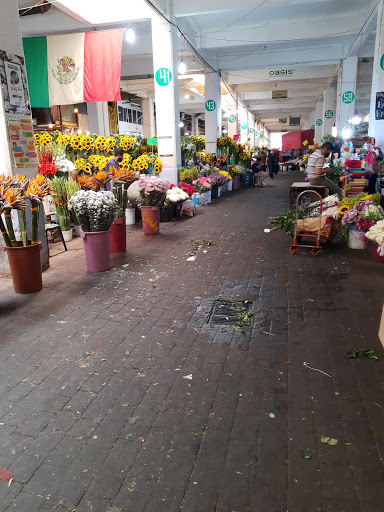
x=329, y=110
x=347, y=93
x=164, y=44
x=257, y=134
x=319, y=121
x=251, y=129
x=195, y=125
x=98, y=118
x=311, y=120
x=233, y=118
x=376, y=126
x=243, y=119
x=212, y=110
x=148, y=106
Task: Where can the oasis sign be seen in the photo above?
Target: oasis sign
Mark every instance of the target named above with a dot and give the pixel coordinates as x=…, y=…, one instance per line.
x=281, y=72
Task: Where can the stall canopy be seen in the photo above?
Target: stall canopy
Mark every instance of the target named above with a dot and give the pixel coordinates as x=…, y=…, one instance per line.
x=294, y=140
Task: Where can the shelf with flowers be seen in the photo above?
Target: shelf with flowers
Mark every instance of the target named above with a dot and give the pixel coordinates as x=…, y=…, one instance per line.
x=23, y=255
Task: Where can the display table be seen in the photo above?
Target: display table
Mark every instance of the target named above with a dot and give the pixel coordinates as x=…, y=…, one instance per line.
x=300, y=186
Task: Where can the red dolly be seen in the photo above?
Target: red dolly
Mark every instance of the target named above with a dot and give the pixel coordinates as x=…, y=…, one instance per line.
x=314, y=248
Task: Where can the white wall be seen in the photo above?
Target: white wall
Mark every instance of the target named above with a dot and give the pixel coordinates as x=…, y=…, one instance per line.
x=276, y=140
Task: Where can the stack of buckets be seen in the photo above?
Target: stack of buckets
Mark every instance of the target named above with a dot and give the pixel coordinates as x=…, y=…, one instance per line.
x=358, y=182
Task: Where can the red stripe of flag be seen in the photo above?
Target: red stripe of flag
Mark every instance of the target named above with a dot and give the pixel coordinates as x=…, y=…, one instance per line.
x=102, y=65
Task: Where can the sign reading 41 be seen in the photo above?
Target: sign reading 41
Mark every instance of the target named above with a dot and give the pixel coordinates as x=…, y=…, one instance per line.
x=163, y=76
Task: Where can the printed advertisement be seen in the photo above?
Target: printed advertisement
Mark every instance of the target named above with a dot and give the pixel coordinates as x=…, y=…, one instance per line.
x=20, y=132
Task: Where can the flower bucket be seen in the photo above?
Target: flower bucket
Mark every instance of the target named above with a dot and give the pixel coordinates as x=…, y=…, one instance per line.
x=357, y=239
x=177, y=209
x=196, y=198
x=151, y=219
x=375, y=255
x=130, y=216
x=137, y=213
x=77, y=230
x=224, y=188
x=208, y=197
x=236, y=182
x=229, y=186
x=97, y=252
x=25, y=266
x=67, y=235
x=214, y=192
x=219, y=191
x=166, y=213
x=118, y=237
x=246, y=180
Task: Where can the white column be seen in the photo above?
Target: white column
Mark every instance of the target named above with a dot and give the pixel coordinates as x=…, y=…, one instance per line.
x=98, y=118
x=257, y=134
x=212, y=110
x=251, y=129
x=233, y=118
x=376, y=126
x=243, y=119
x=329, y=107
x=347, y=87
x=195, y=125
x=311, y=120
x=319, y=121
x=148, y=117
x=164, y=45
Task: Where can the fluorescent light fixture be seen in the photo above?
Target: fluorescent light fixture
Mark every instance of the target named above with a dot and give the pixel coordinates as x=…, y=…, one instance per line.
x=181, y=124
x=356, y=119
x=115, y=11
x=182, y=67
x=130, y=35
x=334, y=130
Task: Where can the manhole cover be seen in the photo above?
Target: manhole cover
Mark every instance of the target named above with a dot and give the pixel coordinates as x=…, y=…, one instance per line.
x=226, y=312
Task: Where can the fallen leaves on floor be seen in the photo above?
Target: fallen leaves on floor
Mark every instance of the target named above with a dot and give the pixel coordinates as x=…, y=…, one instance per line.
x=329, y=440
x=362, y=352
x=306, y=454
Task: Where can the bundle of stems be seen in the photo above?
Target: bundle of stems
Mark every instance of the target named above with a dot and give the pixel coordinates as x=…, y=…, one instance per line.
x=71, y=188
x=60, y=199
x=121, y=196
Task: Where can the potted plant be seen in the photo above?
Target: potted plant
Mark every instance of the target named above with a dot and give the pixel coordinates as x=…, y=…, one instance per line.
x=60, y=200
x=23, y=256
x=152, y=191
x=96, y=212
x=174, y=198
x=188, y=175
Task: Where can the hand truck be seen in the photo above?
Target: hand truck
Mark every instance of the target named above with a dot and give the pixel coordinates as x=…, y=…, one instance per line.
x=314, y=248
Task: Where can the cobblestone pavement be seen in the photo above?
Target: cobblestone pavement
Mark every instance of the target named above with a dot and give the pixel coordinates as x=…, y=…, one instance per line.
x=117, y=394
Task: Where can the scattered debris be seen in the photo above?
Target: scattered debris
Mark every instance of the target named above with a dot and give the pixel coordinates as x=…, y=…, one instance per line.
x=188, y=377
x=196, y=245
x=267, y=230
x=61, y=502
x=6, y=476
x=329, y=440
x=316, y=369
x=378, y=405
x=362, y=352
x=269, y=333
x=306, y=454
x=271, y=415
x=191, y=258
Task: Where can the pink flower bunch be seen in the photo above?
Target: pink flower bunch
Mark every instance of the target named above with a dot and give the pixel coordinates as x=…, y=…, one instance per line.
x=153, y=190
x=361, y=215
x=364, y=224
x=202, y=184
x=217, y=179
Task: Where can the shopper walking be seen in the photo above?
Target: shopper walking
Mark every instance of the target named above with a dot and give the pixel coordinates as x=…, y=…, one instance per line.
x=317, y=175
x=271, y=164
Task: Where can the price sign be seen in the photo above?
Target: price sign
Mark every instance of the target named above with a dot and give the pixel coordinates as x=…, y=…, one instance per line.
x=210, y=105
x=163, y=76
x=152, y=142
x=348, y=97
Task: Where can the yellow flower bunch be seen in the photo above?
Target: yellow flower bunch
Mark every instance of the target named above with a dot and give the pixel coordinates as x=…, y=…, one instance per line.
x=45, y=139
x=76, y=142
x=63, y=140
x=221, y=141
x=87, y=168
x=141, y=163
x=86, y=142
x=110, y=144
x=36, y=137
x=97, y=161
x=127, y=143
x=125, y=163
x=157, y=166
x=343, y=209
x=100, y=143
x=79, y=164
x=226, y=174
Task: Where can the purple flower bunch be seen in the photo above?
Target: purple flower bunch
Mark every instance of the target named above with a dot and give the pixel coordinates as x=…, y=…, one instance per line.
x=355, y=213
x=153, y=190
x=217, y=179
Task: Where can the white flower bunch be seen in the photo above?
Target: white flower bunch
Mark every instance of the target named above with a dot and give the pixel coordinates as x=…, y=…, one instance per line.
x=95, y=210
x=376, y=233
x=63, y=164
x=205, y=170
x=175, y=195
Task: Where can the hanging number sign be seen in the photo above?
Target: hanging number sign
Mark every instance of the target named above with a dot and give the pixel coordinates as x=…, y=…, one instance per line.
x=210, y=105
x=328, y=114
x=251, y=130
x=382, y=62
x=232, y=119
x=244, y=126
x=257, y=134
x=163, y=76
x=319, y=122
x=348, y=97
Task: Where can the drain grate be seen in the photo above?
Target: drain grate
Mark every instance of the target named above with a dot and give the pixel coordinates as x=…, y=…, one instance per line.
x=225, y=312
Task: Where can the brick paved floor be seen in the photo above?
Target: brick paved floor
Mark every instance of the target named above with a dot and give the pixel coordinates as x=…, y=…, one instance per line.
x=96, y=412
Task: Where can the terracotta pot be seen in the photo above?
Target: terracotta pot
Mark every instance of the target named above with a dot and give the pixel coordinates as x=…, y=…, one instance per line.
x=25, y=266
x=151, y=219
x=97, y=252
x=118, y=236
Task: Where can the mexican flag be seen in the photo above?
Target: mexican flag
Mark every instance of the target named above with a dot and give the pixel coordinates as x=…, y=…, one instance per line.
x=74, y=68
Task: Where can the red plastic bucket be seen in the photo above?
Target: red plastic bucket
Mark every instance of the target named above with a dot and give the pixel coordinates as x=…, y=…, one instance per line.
x=97, y=253
x=375, y=255
x=151, y=219
x=25, y=266
x=118, y=236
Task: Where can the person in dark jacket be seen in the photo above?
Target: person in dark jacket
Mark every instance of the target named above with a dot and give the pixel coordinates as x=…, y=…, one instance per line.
x=271, y=163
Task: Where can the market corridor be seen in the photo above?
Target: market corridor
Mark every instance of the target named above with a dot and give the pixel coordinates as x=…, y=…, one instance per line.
x=118, y=395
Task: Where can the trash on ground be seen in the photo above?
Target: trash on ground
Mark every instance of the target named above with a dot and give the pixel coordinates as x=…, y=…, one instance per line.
x=329, y=440
x=306, y=454
x=189, y=377
x=316, y=369
x=5, y=475
x=362, y=352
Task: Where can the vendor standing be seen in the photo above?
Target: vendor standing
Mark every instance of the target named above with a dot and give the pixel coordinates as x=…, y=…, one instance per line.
x=315, y=172
x=114, y=162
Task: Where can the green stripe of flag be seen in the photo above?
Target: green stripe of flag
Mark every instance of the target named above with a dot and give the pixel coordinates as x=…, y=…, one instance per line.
x=35, y=51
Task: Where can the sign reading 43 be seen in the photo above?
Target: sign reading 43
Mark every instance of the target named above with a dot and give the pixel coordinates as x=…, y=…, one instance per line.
x=210, y=105
x=163, y=76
